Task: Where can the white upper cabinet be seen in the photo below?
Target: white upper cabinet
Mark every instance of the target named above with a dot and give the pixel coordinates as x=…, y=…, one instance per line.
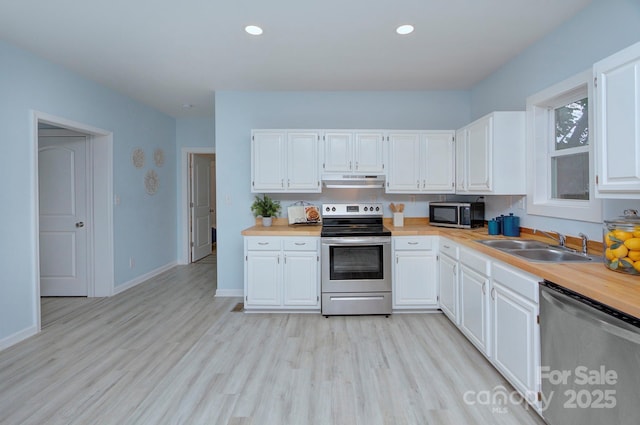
x=617, y=124
x=285, y=161
x=421, y=162
x=490, y=155
x=356, y=152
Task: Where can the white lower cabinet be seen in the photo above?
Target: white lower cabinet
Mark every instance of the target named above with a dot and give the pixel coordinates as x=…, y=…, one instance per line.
x=448, y=279
x=282, y=273
x=415, y=284
x=498, y=313
x=516, y=336
x=474, y=299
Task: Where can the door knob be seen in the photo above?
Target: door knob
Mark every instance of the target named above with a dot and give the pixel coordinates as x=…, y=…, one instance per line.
x=80, y=224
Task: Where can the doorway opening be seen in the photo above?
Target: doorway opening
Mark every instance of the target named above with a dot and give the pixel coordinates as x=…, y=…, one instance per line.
x=197, y=212
x=94, y=221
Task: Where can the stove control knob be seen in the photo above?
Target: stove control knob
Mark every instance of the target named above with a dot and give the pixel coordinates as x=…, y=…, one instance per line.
x=327, y=209
x=365, y=208
x=377, y=208
x=333, y=209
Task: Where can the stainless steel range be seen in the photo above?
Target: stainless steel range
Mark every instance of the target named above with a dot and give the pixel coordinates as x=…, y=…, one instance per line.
x=356, y=260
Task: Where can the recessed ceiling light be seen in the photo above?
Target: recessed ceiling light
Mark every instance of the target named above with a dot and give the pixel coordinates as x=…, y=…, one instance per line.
x=253, y=29
x=404, y=29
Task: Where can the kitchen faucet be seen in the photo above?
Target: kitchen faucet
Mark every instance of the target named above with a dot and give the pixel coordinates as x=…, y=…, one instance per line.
x=562, y=239
x=585, y=241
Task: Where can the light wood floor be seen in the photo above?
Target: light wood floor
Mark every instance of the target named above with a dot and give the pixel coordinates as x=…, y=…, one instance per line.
x=168, y=352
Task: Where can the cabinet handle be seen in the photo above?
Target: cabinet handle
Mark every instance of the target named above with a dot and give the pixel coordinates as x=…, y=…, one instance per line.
x=282, y=183
x=350, y=165
x=285, y=259
x=424, y=184
x=418, y=184
x=446, y=246
x=484, y=285
x=396, y=259
x=300, y=243
x=278, y=259
x=412, y=243
x=357, y=165
x=288, y=182
x=455, y=269
x=263, y=243
x=493, y=293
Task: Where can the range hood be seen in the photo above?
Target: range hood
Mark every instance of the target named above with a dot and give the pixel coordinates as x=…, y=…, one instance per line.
x=353, y=181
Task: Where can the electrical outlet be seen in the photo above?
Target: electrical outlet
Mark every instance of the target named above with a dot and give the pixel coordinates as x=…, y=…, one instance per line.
x=522, y=203
x=132, y=262
x=412, y=199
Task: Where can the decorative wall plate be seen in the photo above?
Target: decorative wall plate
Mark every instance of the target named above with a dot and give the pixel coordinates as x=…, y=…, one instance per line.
x=151, y=182
x=158, y=157
x=137, y=157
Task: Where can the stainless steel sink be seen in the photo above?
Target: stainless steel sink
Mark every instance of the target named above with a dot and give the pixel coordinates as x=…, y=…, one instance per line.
x=537, y=251
x=550, y=255
x=513, y=244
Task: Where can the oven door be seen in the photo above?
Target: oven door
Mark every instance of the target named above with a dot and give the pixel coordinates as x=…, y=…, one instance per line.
x=356, y=264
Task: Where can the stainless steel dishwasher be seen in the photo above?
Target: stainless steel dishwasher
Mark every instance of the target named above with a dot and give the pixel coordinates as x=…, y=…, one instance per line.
x=590, y=360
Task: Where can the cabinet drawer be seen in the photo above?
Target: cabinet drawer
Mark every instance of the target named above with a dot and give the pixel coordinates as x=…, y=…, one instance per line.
x=300, y=244
x=519, y=282
x=449, y=248
x=475, y=262
x=413, y=243
x=264, y=244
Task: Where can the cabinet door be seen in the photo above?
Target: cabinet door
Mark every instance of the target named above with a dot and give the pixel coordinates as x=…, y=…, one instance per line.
x=617, y=116
x=301, y=279
x=449, y=287
x=302, y=162
x=263, y=279
x=403, y=174
x=515, y=339
x=415, y=284
x=461, y=160
x=474, y=314
x=338, y=151
x=438, y=166
x=368, y=153
x=479, y=153
x=268, y=158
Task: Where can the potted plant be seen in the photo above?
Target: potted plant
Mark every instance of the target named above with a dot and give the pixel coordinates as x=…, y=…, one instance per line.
x=266, y=208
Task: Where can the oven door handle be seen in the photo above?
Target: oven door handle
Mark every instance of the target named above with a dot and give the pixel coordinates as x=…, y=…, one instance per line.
x=347, y=240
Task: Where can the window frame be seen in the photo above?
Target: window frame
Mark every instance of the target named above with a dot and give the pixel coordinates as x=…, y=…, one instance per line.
x=540, y=142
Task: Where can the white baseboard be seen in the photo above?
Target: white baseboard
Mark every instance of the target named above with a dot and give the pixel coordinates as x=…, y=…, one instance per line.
x=229, y=292
x=142, y=278
x=17, y=337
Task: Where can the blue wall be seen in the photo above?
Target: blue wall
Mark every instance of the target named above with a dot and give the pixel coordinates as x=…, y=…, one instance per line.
x=237, y=113
x=144, y=225
x=602, y=28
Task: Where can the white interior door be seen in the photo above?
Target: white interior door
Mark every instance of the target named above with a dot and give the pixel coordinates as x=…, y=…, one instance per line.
x=200, y=207
x=62, y=183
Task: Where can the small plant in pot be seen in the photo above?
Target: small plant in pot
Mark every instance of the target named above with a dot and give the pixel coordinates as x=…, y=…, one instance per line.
x=266, y=208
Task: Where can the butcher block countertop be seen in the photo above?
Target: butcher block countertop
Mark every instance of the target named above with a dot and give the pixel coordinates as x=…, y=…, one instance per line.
x=593, y=279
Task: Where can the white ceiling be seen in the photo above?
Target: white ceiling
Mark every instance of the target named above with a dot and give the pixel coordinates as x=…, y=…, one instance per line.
x=166, y=53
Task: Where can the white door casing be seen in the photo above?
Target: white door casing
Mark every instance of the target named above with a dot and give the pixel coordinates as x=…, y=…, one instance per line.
x=62, y=175
x=201, y=207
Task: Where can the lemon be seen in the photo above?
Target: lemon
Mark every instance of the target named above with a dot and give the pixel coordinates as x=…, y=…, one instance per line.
x=607, y=239
x=626, y=262
x=622, y=235
x=620, y=252
x=636, y=265
x=633, y=243
x=634, y=255
x=608, y=254
x=636, y=233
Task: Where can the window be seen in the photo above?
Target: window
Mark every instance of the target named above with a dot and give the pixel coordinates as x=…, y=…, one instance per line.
x=560, y=155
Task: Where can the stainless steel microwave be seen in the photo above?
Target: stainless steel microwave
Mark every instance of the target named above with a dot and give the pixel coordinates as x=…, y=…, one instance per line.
x=463, y=215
